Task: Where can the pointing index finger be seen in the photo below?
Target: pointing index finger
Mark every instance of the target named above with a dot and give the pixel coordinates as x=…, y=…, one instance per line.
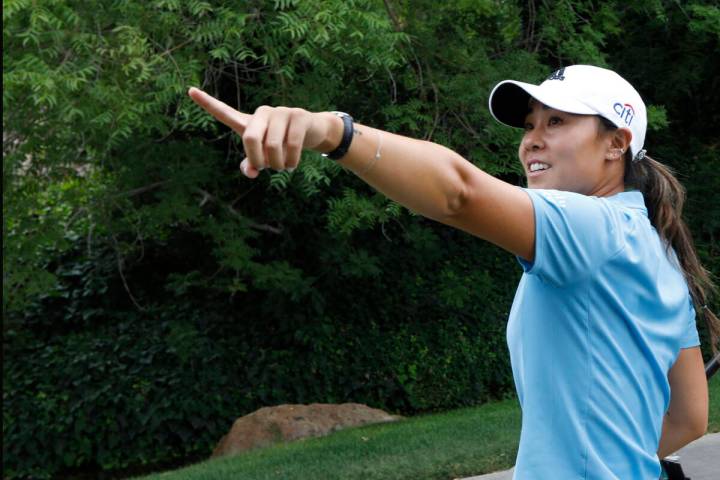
x=221, y=111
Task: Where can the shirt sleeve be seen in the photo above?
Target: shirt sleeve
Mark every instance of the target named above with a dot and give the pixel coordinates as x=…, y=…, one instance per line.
x=691, y=337
x=574, y=234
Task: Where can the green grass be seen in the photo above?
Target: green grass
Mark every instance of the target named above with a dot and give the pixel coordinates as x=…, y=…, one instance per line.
x=460, y=443
x=440, y=446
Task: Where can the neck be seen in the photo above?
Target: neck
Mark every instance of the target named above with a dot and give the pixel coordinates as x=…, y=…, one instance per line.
x=608, y=190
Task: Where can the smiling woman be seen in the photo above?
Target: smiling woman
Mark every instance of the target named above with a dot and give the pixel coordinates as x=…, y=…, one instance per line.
x=617, y=297
x=602, y=328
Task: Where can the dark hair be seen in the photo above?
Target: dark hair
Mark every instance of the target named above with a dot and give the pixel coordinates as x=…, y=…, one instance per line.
x=664, y=198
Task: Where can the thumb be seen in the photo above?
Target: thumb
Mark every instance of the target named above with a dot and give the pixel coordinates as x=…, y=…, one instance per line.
x=234, y=119
x=248, y=170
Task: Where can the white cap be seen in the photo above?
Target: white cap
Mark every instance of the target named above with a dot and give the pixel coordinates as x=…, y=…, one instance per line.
x=582, y=89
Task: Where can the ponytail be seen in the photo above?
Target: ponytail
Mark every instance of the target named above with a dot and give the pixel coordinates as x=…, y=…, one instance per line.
x=664, y=198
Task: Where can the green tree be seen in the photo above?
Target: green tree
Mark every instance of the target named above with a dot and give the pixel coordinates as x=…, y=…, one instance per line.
x=151, y=294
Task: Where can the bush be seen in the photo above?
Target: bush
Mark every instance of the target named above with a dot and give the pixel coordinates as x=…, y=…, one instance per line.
x=90, y=382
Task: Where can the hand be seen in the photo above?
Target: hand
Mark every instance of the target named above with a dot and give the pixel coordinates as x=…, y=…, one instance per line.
x=273, y=136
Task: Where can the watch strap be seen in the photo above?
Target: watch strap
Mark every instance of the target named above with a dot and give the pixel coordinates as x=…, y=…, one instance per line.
x=347, y=137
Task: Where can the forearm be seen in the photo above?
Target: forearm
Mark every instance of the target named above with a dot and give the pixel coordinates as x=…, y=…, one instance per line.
x=675, y=436
x=423, y=176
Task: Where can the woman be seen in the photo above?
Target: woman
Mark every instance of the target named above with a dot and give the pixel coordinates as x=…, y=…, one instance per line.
x=602, y=327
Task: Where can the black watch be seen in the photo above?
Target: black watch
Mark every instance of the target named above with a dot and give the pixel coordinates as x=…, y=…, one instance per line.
x=347, y=137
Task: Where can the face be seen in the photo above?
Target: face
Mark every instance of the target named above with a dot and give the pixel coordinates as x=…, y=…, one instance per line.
x=566, y=151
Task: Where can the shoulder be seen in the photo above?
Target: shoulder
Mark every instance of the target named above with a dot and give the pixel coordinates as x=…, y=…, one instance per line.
x=585, y=210
x=575, y=233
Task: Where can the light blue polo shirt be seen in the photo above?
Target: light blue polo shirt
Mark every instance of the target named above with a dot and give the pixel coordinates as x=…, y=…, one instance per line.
x=598, y=319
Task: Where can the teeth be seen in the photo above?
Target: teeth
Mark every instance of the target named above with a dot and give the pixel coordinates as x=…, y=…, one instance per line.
x=539, y=166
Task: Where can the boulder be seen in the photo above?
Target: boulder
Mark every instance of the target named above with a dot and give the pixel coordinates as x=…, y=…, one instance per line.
x=285, y=423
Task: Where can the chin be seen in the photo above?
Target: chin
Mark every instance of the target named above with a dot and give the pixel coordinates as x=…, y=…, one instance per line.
x=546, y=183
x=539, y=184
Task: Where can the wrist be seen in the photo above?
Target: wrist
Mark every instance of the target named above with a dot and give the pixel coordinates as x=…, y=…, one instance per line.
x=333, y=128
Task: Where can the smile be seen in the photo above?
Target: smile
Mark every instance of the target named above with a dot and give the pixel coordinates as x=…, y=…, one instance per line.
x=537, y=168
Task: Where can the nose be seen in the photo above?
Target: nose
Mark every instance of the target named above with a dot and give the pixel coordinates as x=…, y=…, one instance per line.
x=533, y=140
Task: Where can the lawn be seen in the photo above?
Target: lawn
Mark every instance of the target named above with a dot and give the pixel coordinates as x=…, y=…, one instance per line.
x=460, y=443
x=440, y=446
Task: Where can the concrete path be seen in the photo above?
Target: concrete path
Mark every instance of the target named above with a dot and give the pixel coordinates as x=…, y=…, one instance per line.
x=700, y=461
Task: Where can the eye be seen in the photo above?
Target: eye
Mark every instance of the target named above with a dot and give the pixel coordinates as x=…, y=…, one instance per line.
x=555, y=121
x=528, y=126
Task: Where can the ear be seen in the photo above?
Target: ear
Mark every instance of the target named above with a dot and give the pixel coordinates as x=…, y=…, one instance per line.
x=618, y=144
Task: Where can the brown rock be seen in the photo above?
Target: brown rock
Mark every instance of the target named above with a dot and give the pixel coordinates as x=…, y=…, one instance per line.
x=285, y=423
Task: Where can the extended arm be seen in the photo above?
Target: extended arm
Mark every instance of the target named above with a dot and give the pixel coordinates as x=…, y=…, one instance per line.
x=427, y=178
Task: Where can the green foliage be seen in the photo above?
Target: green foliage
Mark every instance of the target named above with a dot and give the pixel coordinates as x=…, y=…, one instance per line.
x=151, y=294
x=96, y=90
x=705, y=19
x=114, y=398
x=352, y=211
x=657, y=118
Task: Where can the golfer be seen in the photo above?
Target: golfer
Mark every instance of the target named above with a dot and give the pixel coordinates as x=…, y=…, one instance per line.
x=602, y=335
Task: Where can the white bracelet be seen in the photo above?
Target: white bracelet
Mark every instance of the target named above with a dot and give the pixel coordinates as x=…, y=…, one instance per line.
x=377, y=155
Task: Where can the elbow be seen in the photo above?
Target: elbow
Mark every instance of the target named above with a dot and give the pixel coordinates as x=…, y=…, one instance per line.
x=456, y=202
x=697, y=427
x=458, y=197
x=701, y=428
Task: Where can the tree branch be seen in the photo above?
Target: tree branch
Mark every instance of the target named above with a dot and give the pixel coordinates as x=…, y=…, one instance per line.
x=257, y=226
x=139, y=190
x=393, y=16
x=120, y=264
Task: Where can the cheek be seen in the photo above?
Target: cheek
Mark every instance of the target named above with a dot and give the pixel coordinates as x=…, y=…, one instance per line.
x=579, y=150
x=576, y=167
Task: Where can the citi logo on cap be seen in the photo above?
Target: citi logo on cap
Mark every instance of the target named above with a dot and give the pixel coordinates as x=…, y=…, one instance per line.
x=626, y=112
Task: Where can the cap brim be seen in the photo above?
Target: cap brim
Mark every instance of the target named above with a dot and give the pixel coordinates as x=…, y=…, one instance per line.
x=509, y=101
